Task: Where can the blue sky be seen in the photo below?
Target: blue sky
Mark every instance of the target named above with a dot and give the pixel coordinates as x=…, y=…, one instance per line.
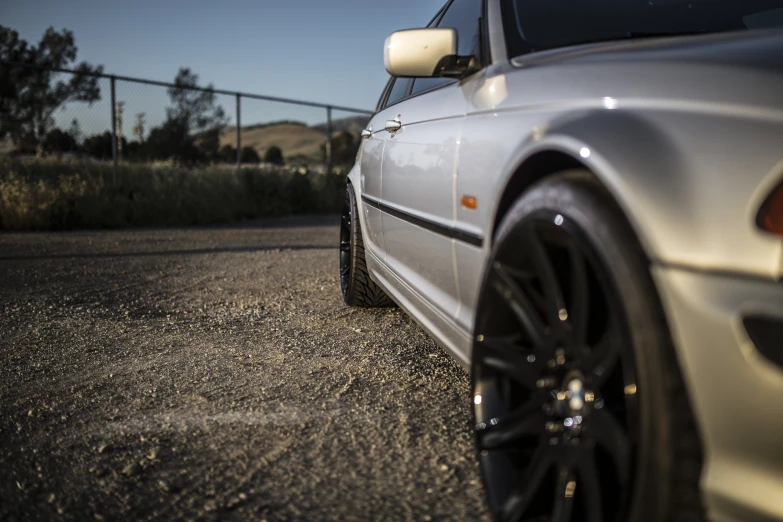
x=327, y=51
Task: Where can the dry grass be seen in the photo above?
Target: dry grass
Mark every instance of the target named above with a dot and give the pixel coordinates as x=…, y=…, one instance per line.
x=293, y=139
x=60, y=195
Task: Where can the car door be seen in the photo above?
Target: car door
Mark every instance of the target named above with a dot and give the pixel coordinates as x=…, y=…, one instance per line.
x=419, y=167
x=373, y=142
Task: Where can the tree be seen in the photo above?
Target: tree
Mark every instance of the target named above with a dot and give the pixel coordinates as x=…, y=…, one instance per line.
x=58, y=142
x=197, y=111
x=138, y=129
x=99, y=146
x=75, y=130
x=171, y=141
x=274, y=155
x=249, y=155
x=228, y=154
x=191, y=132
x=29, y=96
x=343, y=149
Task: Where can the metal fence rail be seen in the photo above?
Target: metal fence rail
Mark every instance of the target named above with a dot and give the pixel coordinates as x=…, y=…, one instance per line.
x=117, y=107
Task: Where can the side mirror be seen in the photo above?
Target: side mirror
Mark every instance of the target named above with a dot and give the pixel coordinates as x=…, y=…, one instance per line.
x=419, y=53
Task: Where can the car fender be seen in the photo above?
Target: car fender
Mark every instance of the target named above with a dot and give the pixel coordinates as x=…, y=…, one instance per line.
x=671, y=198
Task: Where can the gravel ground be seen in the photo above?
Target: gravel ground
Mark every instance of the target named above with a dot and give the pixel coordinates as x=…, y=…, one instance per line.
x=213, y=374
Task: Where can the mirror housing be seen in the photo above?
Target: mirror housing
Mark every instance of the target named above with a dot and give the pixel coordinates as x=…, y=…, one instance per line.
x=424, y=53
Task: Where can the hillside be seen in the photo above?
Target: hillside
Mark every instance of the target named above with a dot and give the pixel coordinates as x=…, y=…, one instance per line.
x=353, y=124
x=293, y=138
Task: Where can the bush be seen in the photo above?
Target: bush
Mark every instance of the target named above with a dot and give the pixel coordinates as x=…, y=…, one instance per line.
x=60, y=195
x=274, y=155
x=249, y=155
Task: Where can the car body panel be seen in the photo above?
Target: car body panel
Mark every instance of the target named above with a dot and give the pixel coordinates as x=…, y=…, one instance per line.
x=743, y=471
x=370, y=158
x=687, y=136
x=418, y=169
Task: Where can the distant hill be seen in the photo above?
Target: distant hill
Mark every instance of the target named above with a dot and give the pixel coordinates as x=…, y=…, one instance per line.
x=353, y=124
x=295, y=139
x=292, y=138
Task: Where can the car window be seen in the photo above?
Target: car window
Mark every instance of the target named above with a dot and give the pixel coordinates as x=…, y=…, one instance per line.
x=536, y=25
x=379, y=105
x=397, y=92
x=464, y=16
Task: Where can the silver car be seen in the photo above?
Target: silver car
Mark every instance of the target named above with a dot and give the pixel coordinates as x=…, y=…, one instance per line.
x=582, y=202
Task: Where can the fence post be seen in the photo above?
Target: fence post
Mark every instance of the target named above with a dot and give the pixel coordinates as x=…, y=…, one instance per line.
x=328, y=139
x=239, y=131
x=114, y=128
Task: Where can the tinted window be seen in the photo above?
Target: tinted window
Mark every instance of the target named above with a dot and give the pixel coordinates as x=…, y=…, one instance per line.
x=533, y=25
x=379, y=105
x=424, y=84
x=464, y=16
x=397, y=91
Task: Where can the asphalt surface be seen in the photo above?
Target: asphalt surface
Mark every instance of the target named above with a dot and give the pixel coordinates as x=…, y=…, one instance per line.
x=214, y=374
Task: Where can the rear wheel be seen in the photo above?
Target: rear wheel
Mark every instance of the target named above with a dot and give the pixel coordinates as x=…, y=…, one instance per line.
x=580, y=409
x=357, y=287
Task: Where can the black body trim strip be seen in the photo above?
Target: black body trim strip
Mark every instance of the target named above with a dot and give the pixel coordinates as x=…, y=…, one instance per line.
x=450, y=232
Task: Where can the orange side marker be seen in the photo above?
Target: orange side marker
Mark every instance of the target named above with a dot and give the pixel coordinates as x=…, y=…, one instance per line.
x=469, y=202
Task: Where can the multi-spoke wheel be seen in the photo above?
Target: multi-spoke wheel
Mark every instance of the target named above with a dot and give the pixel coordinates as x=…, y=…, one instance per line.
x=357, y=287
x=571, y=364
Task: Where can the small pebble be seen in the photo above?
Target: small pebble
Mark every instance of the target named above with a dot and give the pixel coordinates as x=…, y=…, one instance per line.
x=132, y=469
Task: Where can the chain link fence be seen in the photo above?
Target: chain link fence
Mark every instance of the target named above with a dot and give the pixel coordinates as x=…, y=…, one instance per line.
x=132, y=120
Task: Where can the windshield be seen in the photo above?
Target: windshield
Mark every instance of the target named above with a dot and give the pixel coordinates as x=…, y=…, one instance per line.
x=534, y=25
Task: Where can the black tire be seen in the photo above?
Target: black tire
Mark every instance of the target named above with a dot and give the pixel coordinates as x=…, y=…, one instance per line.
x=611, y=340
x=357, y=287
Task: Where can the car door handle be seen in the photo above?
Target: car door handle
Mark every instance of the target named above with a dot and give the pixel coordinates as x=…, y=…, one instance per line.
x=393, y=125
x=366, y=134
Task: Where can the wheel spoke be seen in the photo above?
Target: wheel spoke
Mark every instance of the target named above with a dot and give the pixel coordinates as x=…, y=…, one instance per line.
x=609, y=434
x=502, y=354
x=564, y=495
x=516, y=299
x=527, y=420
x=553, y=294
x=525, y=278
x=590, y=487
x=517, y=503
x=602, y=359
x=580, y=298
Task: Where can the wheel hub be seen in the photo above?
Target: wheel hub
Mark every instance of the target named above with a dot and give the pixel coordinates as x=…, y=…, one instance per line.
x=575, y=390
x=571, y=405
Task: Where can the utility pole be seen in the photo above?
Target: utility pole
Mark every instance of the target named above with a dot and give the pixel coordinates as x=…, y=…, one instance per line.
x=120, y=107
x=114, y=129
x=138, y=130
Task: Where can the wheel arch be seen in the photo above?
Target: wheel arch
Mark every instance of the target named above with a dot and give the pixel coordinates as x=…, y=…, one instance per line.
x=533, y=169
x=625, y=154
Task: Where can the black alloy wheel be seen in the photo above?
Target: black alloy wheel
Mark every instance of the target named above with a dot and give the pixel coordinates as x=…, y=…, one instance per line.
x=556, y=395
x=345, y=243
x=357, y=287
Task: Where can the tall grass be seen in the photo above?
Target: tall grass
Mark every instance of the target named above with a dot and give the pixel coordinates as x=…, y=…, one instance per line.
x=62, y=195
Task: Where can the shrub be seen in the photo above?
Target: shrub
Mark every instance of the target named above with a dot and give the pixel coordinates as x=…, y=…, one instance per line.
x=59, y=195
x=274, y=155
